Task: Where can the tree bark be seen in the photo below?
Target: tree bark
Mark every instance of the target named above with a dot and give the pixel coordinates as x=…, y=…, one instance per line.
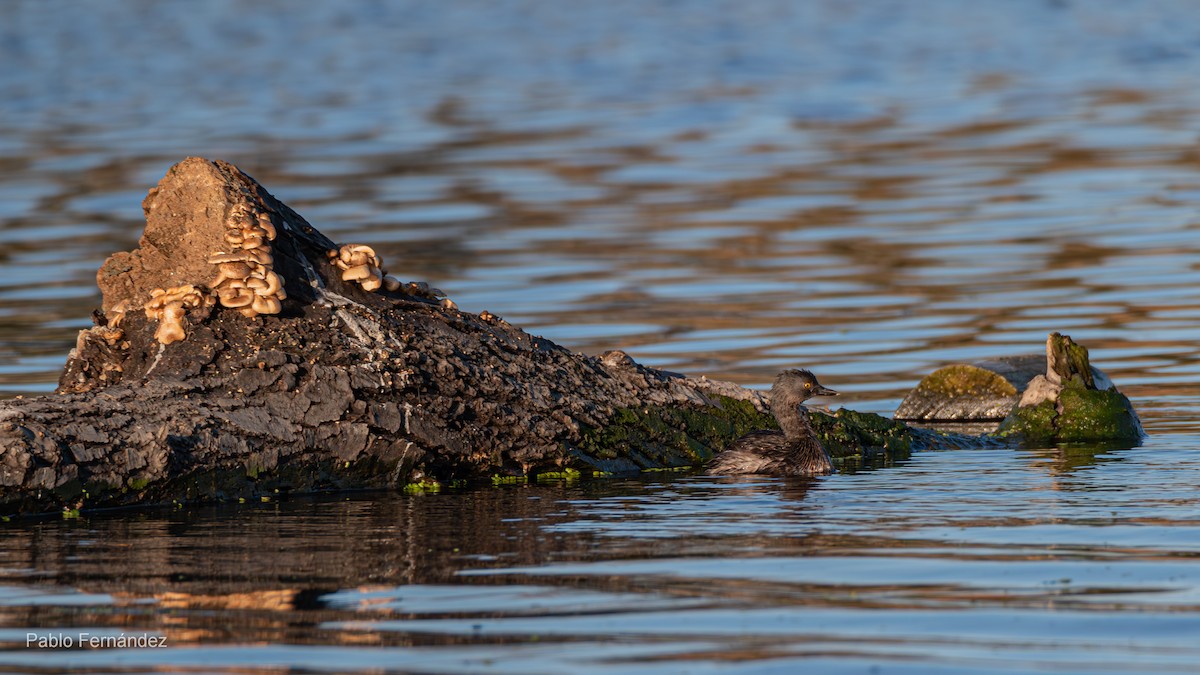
x=344, y=388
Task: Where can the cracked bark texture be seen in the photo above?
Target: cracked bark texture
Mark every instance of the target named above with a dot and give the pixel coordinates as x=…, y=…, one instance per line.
x=344, y=389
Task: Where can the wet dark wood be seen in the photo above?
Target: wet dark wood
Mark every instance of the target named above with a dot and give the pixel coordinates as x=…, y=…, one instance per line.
x=344, y=389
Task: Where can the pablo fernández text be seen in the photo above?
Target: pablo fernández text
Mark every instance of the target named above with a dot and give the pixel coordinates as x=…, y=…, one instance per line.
x=93, y=641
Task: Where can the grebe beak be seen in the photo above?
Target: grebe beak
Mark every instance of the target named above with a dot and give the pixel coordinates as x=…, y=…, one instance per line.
x=823, y=391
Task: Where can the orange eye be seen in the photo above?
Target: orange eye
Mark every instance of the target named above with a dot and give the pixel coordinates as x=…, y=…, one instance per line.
x=807, y=385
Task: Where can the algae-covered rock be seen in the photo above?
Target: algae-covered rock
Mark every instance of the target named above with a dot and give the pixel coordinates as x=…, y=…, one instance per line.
x=1072, y=402
x=965, y=391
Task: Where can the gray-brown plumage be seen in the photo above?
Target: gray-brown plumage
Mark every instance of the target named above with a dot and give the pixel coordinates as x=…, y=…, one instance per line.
x=794, y=451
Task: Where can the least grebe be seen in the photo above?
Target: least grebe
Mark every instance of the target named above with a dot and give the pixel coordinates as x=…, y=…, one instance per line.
x=794, y=451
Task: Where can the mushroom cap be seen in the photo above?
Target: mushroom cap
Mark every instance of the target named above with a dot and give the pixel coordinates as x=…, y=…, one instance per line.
x=270, y=284
x=252, y=241
x=236, y=296
x=236, y=256
x=373, y=282
x=242, y=221
x=161, y=298
x=357, y=254
x=357, y=273
x=170, y=331
x=255, y=255
x=267, y=227
x=117, y=314
x=237, y=270
x=267, y=305
x=194, y=299
x=391, y=283
x=111, y=334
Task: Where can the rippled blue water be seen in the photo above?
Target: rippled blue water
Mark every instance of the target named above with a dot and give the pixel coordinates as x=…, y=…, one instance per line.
x=869, y=189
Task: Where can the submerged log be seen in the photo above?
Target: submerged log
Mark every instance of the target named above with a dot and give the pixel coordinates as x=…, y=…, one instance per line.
x=240, y=353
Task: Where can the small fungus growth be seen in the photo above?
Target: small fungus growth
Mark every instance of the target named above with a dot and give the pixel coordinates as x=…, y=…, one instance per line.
x=169, y=307
x=111, y=331
x=359, y=263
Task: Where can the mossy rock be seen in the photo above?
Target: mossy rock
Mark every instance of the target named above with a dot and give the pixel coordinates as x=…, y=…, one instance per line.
x=1032, y=422
x=984, y=391
x=1080, y=415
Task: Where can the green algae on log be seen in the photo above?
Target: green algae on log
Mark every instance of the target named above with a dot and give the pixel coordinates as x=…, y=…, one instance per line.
x=294, y=364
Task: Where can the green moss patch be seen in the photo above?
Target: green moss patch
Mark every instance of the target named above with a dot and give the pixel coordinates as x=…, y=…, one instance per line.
x=1033, y=423
x=423, y=487
x=964, y=381
x=671, y=438
x=1090, y=415
x=568, y=475
x=663, y=437
x=863, y=436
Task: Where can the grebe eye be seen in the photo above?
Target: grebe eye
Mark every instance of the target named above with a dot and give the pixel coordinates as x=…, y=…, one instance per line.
x=808, y=385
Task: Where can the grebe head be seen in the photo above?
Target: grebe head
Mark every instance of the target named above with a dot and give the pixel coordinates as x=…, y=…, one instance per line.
x=799, y=384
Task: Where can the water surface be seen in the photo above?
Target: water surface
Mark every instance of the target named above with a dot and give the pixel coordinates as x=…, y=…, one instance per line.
x=867, y=189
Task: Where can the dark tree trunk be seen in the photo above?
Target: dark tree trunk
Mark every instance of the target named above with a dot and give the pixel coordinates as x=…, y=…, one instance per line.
x=344, y=389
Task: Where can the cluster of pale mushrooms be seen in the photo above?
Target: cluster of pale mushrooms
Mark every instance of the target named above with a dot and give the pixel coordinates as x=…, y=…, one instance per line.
x=111, y=331
x=360, y=264
x=246, y=282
